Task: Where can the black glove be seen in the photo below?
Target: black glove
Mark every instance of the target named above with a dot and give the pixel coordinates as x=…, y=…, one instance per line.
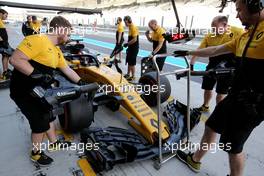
x=81, y=82
x=191, y=67
x=44, y=80
x=119, y=45
x=181, y=53
x=125, y=45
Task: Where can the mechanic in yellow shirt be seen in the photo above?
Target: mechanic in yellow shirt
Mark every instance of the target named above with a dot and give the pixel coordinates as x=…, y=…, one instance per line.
x=35, y=25
x=119, y=38
x=159, y=43
x=236, y=117
x=4, y=45
x=222, y=33
x=132, y=48
x=35, y=61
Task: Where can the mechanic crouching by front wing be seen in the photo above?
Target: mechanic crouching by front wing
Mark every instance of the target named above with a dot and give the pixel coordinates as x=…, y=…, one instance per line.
x=236, y=116
x=34, y=61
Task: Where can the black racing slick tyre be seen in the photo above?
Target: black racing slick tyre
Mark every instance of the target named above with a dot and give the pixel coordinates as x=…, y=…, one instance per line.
x=78, y=114
x=150, y=79
x=113, y=105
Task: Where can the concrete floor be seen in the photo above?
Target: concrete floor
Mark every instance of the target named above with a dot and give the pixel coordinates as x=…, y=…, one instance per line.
x=15, y=141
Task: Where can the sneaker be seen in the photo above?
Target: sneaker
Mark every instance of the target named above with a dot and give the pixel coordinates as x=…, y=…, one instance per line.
x=59, y=145
x=41, y=158
x=126, y=76
x=117, y=60
x=203, y=108
x=187, y=159
x=6, y=74
x=131, y=78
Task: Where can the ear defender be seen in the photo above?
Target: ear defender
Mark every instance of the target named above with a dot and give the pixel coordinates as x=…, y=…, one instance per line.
x=254, y=6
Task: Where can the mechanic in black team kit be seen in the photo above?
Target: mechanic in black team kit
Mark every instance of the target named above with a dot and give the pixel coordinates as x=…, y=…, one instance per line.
x=26, y=29
x=4, y=44
x=222, y=34
x=132, y=48
x=236, y=116
x=34, y=61
x=159, y=43
x=119, y=38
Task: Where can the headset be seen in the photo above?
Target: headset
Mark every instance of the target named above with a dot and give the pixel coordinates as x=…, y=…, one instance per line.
x=254, y=6
x=128, y=19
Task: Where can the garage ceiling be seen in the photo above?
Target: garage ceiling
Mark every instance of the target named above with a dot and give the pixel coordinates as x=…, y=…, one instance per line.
x=103, y=3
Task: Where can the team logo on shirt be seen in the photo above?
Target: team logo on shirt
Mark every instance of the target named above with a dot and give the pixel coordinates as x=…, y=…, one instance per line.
x=259, y=35
x=29, y=44
x=49, y=50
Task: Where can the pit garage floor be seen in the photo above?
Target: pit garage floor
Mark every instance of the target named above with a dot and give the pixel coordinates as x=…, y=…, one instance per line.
x=15, y=142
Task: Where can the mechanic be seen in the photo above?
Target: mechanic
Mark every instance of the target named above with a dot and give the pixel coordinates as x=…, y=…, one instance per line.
x=242, y=110
x=159, y=43
x=4, y=44
x=34, y=61
x=132, y=48
x=44, y=26
x=221, y=34
x=26, y=29
x=119, y=37
x=35, y=25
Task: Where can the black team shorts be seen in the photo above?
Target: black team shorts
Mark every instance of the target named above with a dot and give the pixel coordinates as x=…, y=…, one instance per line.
x=234, y=122
x=37, y=114
x=131, y=56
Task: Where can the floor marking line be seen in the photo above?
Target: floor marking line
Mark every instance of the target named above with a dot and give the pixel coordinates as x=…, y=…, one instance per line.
x=86, y=167
x=199, y=66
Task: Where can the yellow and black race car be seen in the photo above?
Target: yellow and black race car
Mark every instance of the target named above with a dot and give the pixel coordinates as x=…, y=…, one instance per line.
x=115, y=90
x=134, y=98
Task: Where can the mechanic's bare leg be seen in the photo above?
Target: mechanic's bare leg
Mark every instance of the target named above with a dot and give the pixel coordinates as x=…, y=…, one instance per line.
x=208, y=138
x=207, y=97
x=237, y=162
x=37, y=139
x=219, y=97
x=5, y=63
x=128, y=70
x=133, y=70
x=51, y=133
x=120, y=57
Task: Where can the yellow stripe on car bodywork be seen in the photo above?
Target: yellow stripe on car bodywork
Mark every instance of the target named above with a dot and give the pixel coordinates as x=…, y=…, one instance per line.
x=86, y=167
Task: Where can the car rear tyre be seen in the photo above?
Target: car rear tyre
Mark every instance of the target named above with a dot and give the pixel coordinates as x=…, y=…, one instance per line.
x=150, y=79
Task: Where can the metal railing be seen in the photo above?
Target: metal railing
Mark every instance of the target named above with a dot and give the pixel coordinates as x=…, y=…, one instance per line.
x=161, y=161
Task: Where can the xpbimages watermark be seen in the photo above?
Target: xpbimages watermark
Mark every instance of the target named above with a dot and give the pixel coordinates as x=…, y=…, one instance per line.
x=84, y=30
x=205, y=31
x=213, y=147
x=81, y=147
x=126, y=88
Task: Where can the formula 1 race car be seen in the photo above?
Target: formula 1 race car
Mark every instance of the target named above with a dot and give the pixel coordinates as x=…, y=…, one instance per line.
x=116, y=90
x=136, y=99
